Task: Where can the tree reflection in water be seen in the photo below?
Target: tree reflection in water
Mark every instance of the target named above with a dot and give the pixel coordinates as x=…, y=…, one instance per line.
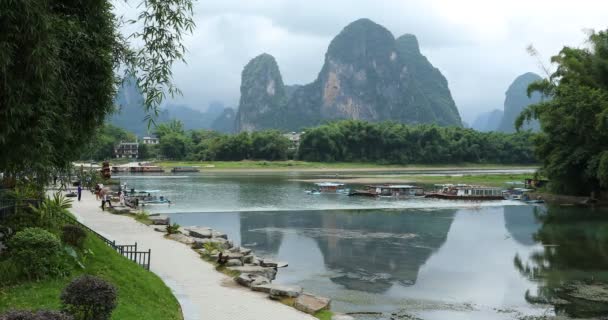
x=572, y=267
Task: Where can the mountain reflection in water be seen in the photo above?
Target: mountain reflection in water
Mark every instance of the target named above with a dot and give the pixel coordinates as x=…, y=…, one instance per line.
x=436, y=264
x=369, y=250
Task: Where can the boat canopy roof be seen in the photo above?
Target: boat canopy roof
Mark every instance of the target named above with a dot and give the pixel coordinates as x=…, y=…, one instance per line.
x=394, y=186
x=329, y=184
x=147, y=191
x=466, y=186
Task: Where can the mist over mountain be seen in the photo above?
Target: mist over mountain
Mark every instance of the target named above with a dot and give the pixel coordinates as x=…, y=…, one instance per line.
x=488, y=121
x=367, y=75
x=131, y=114
x=516, y=100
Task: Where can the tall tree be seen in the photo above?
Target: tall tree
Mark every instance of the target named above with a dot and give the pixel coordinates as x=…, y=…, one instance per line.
x=60, y=64
x=573, y=144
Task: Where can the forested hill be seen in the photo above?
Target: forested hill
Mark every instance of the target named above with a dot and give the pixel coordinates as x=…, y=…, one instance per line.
x=367, y=75
x=516, y=100
x=131, y=116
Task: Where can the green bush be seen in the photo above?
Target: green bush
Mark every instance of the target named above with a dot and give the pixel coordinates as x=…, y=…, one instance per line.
x=172, y=229
x=9, y=271
x=37, y=253
x=73, y=235
x=89, y=298
x=40, y=315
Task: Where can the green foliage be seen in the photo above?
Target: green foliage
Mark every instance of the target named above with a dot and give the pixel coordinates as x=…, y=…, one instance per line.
x=39, y=315
x=102, y=144
x=172, y=229
x=358, y=141
x=73, y=235
x=49, y=211
x=140, y=292
x=37, y=253
x=211, y=247
x=59, y=62
x=173, y=146
x=574, y=122
x=89, y=298
x=269, y=145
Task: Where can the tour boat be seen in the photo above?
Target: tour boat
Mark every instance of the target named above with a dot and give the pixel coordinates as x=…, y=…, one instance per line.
x=397, y=190
x=466, y=192
x=390, y=190
x=328, y=187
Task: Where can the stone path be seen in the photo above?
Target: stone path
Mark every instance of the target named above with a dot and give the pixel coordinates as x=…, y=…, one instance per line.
x=203, y=293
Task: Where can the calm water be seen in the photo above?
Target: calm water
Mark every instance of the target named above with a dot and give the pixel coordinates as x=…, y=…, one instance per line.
x=428, y=258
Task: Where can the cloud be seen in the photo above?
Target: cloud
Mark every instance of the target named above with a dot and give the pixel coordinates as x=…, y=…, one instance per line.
x=478, y=45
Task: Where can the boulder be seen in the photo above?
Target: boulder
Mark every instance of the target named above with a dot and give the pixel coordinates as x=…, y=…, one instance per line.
x=205, y=233
x=282, y=291
x=181, y=238
x=234, y=263
x=160, y=220
x=250, y=280
x=269, y=273
x=245, y=251
x=221, y=243
x=233, y=255
x=200, y=232
x=261, y=287
x=273, y=264
x=248, y=259
x=311, y=304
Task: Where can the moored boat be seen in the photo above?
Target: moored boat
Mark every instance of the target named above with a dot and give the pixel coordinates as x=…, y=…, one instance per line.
x=466, y=192
x=331, y=187
x=145, y=169
x=390, y=190
x=185, y=169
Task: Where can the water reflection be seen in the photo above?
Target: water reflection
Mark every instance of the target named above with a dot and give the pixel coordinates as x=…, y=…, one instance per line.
x=370, y=250
x=572, y=267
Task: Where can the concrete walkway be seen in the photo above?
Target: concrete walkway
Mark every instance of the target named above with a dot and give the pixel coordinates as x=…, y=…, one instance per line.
x=203, y=293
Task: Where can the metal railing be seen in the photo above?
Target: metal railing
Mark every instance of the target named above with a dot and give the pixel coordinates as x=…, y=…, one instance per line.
x=129, y=251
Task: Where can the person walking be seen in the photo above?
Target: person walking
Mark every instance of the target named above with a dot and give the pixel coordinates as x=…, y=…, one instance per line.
x=79, y=190
x=102, y=195
x=106, y=198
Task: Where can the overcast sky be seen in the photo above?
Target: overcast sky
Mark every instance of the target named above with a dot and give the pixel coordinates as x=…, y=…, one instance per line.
x=479, y=46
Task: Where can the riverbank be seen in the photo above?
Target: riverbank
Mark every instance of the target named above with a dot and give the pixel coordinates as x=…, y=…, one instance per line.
x=494, y=180
x=202, y=292
x=304, y=166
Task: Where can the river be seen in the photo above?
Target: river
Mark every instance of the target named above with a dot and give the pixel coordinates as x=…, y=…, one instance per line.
x=403, y=259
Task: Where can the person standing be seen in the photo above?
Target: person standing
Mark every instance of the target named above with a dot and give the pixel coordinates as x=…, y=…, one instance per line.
x=79, y=190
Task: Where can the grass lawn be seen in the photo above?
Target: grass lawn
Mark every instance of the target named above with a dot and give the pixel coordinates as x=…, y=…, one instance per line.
x=141, y=294
x=321, y=165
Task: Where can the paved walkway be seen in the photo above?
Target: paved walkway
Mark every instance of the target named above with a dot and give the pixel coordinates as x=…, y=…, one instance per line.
x=202, y=292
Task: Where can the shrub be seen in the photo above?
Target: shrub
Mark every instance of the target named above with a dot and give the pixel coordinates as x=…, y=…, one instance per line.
x=37, y=253
x=40, y=315
x=73, y=235
x=172, y=229
x=89, y=298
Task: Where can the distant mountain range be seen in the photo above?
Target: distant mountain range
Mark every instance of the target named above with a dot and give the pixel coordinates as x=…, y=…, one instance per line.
x=516, y=100
x=488, y=121
x=131, y=114
x=367, y=75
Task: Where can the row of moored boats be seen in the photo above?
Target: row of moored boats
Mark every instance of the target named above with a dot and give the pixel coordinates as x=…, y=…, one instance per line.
x=442, y=191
